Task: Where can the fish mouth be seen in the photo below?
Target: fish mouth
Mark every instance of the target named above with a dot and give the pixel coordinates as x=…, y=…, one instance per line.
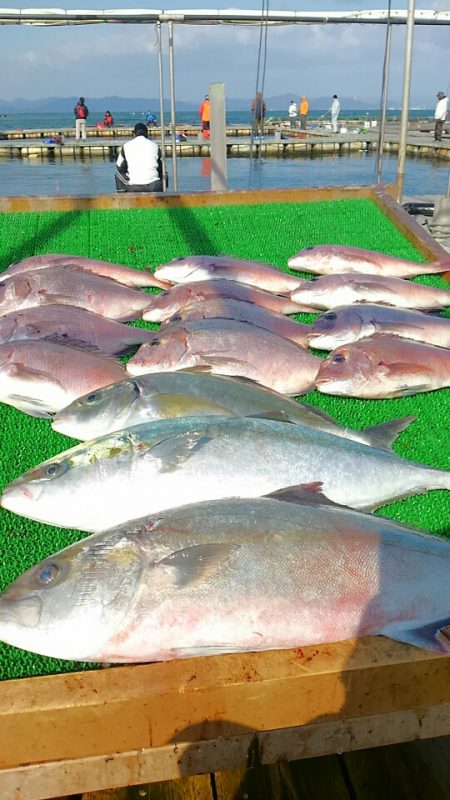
x=25, y=611
x=17, y=491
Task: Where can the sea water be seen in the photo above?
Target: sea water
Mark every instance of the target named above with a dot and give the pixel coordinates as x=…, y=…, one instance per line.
x=94, y=176
x=31, y=177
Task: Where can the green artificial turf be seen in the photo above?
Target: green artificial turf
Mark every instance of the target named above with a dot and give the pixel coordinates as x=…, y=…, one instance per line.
x=265, y=232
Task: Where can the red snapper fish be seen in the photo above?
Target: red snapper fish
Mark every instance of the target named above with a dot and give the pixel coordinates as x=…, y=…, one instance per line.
x=228, y=347
x=244, y=312
x=255, y=273
x=328, y=259
x=328, y=291
x=164, y=305
x=72, y=325
x=117, y=272
x=384, y=366
x=71, y=287
x=41, y=377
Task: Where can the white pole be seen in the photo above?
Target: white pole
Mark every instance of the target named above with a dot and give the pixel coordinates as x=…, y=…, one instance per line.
x=405, y=102
x=162, y=124
x=218, y=137
x=172, y=107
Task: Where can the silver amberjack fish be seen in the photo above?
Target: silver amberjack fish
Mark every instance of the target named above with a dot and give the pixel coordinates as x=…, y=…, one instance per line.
x=232, y=576
x=168, y=463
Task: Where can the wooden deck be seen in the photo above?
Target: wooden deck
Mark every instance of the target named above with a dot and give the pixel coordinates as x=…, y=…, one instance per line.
x=418, y=770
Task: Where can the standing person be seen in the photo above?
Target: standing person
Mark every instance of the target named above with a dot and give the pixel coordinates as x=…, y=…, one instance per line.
x=204, y=113
x=440, y=115
x=139, y=165
x=304, y=108
x=258, y=109
x=335, y=109
x=108, y=119
x=81, y=112
x=292, y=112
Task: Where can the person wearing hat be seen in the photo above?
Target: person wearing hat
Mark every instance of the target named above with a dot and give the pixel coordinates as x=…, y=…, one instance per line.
x=204, y=113
x=139, y=165
x=440, y=115
x=81, y=114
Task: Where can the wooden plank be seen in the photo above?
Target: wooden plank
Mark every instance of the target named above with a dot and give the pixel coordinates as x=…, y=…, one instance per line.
x=195, y=788
x=151, y=705
x=53, y=779
x=173, y=200
x=419, y=770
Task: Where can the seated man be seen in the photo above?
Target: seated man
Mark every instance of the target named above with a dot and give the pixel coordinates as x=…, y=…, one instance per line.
x=139, y=166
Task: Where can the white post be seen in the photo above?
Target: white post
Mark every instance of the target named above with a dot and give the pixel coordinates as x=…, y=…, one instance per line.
x=405, y=102
x=218, y=137
x=172, y=107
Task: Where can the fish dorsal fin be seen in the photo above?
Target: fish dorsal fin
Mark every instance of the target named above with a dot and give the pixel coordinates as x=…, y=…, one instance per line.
x=304, y=494
x=199, y=562
x=175, y=450
x=318, y=412
x=382, y=436
x=277, y=415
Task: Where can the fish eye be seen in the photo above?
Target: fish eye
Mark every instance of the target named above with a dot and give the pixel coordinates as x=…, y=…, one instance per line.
x=91, y=398
x=164, y=293
x=338, y=358
x=330, y=315
x=154, y=342
x=311, y=247
x=2, y=284
x=313, y=280
x=48, y=574
x=52, y=469
x=176, y=318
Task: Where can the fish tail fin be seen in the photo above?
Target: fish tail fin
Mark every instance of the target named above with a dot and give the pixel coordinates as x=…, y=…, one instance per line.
x=383, y=435
x=433, y=636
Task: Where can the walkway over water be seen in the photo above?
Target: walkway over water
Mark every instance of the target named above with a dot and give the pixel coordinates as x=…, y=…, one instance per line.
x=277, y=142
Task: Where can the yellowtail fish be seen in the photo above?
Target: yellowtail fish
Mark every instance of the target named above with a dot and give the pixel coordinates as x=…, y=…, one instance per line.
x=168, y=463
x=232, y=576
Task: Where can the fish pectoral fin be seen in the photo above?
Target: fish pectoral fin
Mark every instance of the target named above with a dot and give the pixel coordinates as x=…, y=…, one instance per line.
x=176, y=405
x=433, y=636
x=175, y=450
x=383, y=435
x=228, y=361
x=32, y=406
x=198, y=563
x=303, y=494
x=30, y=375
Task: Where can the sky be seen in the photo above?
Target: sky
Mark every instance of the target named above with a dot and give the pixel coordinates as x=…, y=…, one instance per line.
x=320, y=60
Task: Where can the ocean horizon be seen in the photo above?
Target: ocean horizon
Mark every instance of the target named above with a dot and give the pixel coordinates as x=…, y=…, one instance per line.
x=54, y=121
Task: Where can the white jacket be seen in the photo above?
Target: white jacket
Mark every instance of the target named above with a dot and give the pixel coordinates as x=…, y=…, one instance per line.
x=293, y=110
x=441, y=109
x=143, y=159
x=335, y=107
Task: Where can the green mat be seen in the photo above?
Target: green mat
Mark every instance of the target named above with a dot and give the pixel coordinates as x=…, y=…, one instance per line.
x=266, y=232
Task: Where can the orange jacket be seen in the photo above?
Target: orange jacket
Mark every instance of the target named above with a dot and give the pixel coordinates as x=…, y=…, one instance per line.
x=204, y=111
x=304, y=106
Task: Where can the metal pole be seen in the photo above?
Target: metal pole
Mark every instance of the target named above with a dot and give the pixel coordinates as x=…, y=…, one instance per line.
x=172, y=107
x=218, y=138
x=384, y=94
x=405, y=101
x=162, y=124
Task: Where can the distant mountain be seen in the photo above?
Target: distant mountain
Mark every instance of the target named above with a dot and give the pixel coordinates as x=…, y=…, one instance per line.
x=54, y=105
